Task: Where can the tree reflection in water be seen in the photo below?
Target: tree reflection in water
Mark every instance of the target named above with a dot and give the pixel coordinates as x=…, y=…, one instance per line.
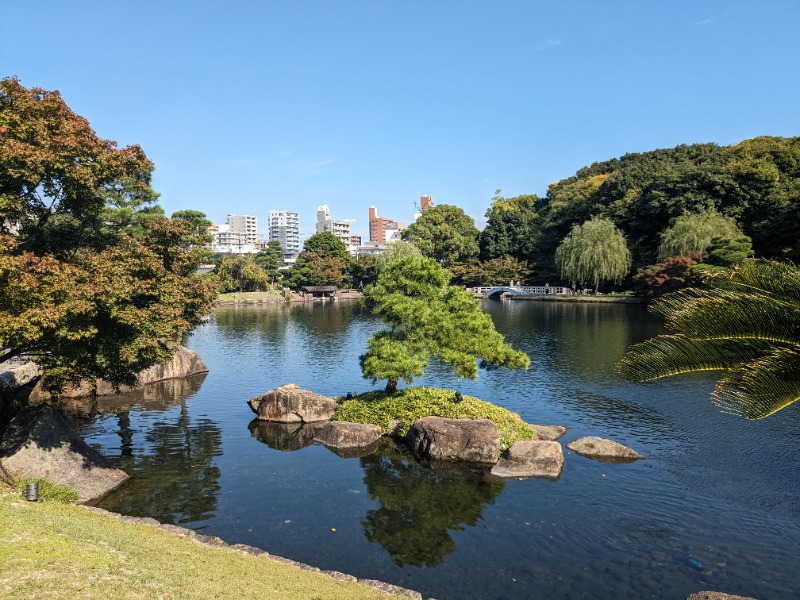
x=419, y=506
x=176, y=453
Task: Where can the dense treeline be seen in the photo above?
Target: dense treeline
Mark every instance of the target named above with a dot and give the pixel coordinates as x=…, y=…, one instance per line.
x=755, y=182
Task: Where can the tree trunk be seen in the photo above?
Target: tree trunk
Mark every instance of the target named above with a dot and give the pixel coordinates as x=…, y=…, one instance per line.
x=391, y=386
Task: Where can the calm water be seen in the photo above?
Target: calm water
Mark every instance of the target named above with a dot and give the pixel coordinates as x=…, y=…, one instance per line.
x=715, y=505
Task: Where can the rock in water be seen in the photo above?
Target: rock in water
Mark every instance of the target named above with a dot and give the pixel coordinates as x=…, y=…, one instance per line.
x=531, y=459
x=438, y=438
x=292, y=404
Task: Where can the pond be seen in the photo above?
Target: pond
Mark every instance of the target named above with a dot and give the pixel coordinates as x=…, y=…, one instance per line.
x=715, y=505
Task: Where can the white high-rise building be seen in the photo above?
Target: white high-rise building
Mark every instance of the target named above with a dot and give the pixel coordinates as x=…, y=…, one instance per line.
x=341, y=229
x=284, y=227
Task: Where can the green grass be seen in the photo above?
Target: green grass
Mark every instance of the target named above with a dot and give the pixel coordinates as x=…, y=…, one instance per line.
x=251, y=296
x=48, y=491
x=50, y=549
x=409, y=404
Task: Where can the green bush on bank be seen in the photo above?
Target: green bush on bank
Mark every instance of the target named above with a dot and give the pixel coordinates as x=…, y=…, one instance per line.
x=409, y=404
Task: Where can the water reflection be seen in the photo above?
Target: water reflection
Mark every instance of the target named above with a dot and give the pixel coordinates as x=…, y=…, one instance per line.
x=285, y=437
x=419, y=506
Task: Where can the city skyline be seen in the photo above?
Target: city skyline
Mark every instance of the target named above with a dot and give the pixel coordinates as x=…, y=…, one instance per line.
x=250, y=107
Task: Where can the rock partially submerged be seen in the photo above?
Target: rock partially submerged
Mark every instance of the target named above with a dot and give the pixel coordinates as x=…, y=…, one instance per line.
x=38, y=443
x=602, y=449
x=547, y=433
x=184, y=363
x=343, y=434
x=438, y=438
x=531, y=459
x=292, y=404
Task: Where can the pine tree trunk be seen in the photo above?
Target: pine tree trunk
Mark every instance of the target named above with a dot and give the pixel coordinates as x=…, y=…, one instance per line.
x=391, y=386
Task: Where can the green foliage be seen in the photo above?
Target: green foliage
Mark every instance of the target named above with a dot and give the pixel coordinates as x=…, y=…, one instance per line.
x=270, y=258
x=409, y=404
x=429, y=318
x=364, y=270
x=692, y=233
x=593, y=253
x=496, y=271
x=747, y=323
x=395, y=251
x=513, y=228
x=323, y=261
x=237, y=273
x=326, y=244
x=727, y=252
x=445, y=234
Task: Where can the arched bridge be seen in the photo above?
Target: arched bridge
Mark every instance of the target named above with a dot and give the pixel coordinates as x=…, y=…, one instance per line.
x=519, y=290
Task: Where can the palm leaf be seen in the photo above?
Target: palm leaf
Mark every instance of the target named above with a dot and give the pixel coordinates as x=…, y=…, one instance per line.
x=761, y=387
x=745, y=316
x=668, y=355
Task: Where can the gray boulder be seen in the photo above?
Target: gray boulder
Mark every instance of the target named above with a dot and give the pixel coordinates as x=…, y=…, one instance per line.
x=438, y=438
x=343, y=434
x=16, y=373
x=292, y=404
x=602, y=449
x=531, y=459
x=547, y=433
x=184, y=363
x=38, y=443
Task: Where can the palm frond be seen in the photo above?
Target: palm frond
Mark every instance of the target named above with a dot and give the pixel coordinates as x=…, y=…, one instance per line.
x=745, y=316
x=780, y=281
x=667, y=355
x=761, y=387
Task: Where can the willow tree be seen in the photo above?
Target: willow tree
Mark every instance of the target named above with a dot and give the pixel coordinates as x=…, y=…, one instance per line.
x=746, y=324
x=429, y=318
x=594, y=252
x=395, y=251
x=692, y=233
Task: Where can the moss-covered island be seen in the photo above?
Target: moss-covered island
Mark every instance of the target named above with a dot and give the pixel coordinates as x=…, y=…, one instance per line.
x=409, y=404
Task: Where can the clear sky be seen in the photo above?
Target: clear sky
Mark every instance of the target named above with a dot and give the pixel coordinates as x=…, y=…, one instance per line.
x=250, y=106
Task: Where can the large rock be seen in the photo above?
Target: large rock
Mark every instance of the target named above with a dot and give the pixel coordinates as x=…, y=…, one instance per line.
x=531, y=459
x=343, y=434
x=349, y=440
x=547, y=433
x=595, y=447
x=38, y=443
x=184, y=363
x=292, y=404
x=438, y=438
x=16, y=373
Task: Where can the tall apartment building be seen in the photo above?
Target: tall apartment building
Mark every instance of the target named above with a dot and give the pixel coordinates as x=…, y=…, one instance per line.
x=341, y=229
x=284, y=227
x=246, y=226
x=382, y=229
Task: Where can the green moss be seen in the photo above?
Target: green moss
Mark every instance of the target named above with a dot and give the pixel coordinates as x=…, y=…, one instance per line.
x=409, y=404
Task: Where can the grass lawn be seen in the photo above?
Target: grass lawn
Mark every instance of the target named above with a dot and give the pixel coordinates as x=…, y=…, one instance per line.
x=50, y=549
x=270, y=296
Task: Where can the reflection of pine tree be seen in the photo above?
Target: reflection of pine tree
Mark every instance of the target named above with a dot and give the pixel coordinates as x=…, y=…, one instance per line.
x=418, y=506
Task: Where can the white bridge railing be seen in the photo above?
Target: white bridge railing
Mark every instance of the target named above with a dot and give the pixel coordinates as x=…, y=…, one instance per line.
x=523, y=290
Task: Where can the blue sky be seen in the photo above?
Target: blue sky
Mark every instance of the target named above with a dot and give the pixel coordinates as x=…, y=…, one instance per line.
x=246, y=107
